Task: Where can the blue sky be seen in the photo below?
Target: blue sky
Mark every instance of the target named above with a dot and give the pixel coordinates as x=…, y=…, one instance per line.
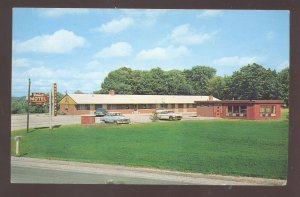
x=76, y=48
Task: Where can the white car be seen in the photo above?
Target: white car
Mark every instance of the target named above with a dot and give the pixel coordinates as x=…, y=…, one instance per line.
x=116, y=118
x=168, y=115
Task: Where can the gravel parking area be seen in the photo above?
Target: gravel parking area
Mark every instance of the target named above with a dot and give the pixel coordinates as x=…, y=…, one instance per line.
x=42, y=120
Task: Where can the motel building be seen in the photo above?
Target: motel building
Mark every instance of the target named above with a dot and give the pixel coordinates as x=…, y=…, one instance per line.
x=240, y=109
x=79, y=104
x=204, y=106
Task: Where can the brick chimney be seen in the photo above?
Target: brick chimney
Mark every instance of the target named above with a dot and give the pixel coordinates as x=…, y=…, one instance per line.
x=210, y=98
x=111, y=92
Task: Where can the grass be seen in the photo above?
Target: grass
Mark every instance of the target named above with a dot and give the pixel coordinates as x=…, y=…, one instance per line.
x=228, y=147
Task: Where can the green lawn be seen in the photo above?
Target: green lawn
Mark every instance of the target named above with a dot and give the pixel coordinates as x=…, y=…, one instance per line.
x=228, y=147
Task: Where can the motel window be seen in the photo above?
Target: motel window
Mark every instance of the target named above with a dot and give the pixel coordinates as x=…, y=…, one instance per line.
x=267, y=110
x=122, y=106
x=236, y=110
x=164, y=106
x=83, y=107
x=180, y=105
x=229, y=110
x=151, y=106
x=243, y=110
x=143, y=106
x=126, y=106
x=173, y=106
x=111, y=106
x=131, y=106
x=98, y=106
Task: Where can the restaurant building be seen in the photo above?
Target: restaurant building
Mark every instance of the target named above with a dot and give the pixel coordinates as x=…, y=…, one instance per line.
x=240, y=109
x=77, y=104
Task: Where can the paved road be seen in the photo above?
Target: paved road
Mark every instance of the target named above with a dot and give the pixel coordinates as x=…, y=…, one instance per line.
x=42, y=120
x=31, y=170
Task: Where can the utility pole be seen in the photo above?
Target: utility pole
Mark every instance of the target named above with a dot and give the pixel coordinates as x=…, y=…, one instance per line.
x=28, y=103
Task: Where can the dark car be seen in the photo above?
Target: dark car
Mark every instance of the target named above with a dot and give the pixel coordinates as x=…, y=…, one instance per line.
x=100, y=112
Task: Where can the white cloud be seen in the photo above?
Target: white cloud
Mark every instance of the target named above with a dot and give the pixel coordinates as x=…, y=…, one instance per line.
x=116, y=26
x=61, y=41
x=57, y=12
x=147, y=17
x=183, y=34
x=67, y=79
x=93, y=64
x=24, y=62
x=160, y=53
x=120, y=49
x=235, y=61
x=210, y=13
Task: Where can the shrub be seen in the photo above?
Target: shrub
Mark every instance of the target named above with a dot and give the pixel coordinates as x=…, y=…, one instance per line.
x=154, y=117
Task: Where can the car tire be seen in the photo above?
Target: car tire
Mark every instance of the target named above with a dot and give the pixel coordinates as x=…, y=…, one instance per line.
x=115, y=122
x=171, y=118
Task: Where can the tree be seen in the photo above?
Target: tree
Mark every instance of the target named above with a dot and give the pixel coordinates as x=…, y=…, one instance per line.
x=155, y=82
x=284, y=81
x=254, y=82
x=216, y=86
x=18, y=105
x=119, y=80
x=177, y=84
x=198, y=77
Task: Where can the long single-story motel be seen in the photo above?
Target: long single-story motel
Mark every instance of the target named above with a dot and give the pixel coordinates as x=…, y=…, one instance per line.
x=207, y=106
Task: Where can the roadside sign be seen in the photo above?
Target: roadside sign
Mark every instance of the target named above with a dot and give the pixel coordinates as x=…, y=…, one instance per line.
x=54, y=89
x=38, y=98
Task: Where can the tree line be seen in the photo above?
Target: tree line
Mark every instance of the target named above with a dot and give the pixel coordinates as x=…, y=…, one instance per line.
x=251, y=82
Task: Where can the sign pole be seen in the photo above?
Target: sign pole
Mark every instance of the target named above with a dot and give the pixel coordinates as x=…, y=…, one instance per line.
x=50, y=109
x=28, y=102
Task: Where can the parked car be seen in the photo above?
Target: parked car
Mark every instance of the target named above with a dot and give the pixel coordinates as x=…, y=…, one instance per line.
x=116, y=118
x=168, y=115
x=100, y=112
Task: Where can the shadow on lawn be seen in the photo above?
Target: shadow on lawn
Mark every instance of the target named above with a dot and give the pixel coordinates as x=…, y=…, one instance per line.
x=39, y=128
